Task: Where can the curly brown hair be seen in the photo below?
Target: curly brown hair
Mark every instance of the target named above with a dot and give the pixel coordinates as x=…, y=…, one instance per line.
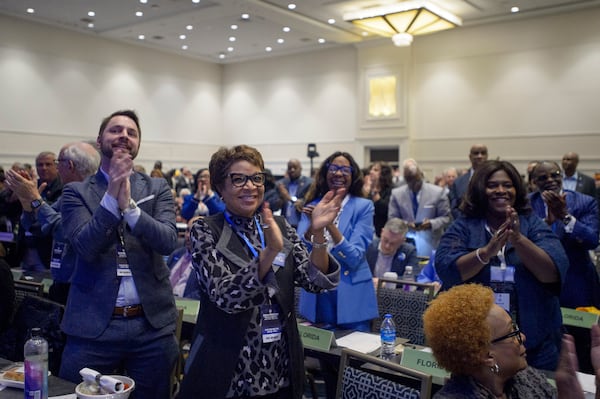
x=221, y=161
x=456, y=327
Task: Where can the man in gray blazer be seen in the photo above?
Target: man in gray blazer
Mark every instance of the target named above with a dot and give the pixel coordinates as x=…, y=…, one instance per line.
x=120, y=315
x=423, y=206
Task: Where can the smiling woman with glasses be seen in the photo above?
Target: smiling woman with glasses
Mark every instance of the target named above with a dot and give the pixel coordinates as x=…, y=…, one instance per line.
x=478, y=343
x=353, y=304
x=247, y=263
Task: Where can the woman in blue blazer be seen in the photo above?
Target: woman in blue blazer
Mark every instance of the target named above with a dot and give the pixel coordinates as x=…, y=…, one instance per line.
x=353, y=304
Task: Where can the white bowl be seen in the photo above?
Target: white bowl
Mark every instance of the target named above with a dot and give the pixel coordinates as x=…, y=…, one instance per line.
x=120, y=395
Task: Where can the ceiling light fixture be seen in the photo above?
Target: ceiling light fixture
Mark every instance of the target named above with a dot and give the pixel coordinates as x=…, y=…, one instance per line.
x=286, y=29
x=189, y=27
x=141, y=37
x=331, y=21
x=268, y=49
x=91, y=14
x=291, y=6
x=184, y=47
x=401, y=20
x=514, y=9
x=321, y=40
x=30, y=11
x=139, y=14
x=245, y=16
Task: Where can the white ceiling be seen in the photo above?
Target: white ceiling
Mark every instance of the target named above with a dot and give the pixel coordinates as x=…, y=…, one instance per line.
x=163, y=21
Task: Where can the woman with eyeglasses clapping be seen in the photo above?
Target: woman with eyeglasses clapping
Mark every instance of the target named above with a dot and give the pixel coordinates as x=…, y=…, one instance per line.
x=247, y=262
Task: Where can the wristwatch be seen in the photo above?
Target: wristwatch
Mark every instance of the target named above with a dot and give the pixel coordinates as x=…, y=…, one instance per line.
x=36, y=203
x=131, y=206
x=567, y=219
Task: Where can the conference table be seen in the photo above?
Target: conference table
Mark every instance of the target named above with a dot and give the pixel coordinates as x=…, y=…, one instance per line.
x=56, y=386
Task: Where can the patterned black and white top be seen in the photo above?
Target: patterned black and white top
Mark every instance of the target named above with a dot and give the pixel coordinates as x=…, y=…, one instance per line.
x=262, y=368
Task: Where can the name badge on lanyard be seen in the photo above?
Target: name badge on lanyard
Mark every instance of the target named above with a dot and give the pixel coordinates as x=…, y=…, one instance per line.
x=123, y=269
x=502, y=281
x=271, y=325
x=58, y=249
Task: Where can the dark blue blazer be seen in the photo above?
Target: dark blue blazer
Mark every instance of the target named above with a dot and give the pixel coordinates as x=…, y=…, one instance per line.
x=406, y=255
x=457, y=191
x=582, y=286
x=92, y=232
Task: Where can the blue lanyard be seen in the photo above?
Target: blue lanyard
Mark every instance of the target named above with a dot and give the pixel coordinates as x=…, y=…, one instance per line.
x=243, y=236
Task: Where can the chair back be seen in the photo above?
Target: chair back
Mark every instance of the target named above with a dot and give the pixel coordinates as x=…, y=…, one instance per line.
x=34, y=311
x=405, y=306
x=25, y=288
x=364, y=376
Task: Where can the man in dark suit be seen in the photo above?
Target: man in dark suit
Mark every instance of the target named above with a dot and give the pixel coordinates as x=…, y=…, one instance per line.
x=391, y=253
x=574, y=180
x=574, y=218
x=120, y=314
x=478, y=154
x=292, y=190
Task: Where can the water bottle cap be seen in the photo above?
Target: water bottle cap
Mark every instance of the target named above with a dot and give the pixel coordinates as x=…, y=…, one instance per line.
x=387, y=315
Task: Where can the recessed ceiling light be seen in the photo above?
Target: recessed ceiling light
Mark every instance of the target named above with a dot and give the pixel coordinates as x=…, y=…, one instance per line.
x=286, y=29
x=230, y=49
x=139, y=14
x=232, y=38
x=184, y=47
x=292, y=6
x=91, y=14
x=365, y=33
x=195, y=1
x=268, y=49
x=189, y=27
x=331, y=21
x=141, y=37
x=221, y=55
x=30, y=11
x=245, y=16
x=280, y=41
x=234, y=27
x=321, y=40
x=91, y=25
x=514, y=9
x=182, y=37
x=143, y=1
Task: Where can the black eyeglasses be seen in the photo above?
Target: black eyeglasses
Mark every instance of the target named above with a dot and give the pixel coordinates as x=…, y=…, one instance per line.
x=240, y=179
x=543, y=178
x=333, y=168
x=515, y=333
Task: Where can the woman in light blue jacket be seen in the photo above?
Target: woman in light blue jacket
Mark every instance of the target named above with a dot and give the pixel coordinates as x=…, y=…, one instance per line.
x=353, y=304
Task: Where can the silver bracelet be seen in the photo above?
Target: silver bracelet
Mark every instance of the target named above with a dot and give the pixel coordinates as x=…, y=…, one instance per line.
x=318, y=244
x=479, y=257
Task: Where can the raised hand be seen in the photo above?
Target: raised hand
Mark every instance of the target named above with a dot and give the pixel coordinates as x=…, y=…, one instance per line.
x=327, y=209
x=557, y=205
x=273, y=236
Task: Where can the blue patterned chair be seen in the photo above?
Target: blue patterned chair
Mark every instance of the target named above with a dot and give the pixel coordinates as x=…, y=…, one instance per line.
x=406, y=307
x=368, y=377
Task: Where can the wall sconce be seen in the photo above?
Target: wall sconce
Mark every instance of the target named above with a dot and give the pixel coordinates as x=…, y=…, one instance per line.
x=403, y=20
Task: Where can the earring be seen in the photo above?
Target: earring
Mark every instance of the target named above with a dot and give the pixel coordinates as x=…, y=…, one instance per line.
x=495, y=369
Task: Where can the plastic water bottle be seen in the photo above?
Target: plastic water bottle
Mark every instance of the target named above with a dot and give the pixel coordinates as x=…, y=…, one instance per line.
x=408, y=276
x=388, y=337
x=36, y=366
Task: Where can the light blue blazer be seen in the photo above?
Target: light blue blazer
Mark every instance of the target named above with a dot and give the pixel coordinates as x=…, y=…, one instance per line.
x=355, y=293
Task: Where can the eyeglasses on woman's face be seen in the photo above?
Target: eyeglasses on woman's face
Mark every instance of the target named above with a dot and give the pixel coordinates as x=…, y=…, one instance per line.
x=345, y=170
x=240, y=179
x=514, y=333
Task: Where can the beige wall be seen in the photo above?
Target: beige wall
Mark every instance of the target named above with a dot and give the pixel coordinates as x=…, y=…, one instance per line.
x=528, y=89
